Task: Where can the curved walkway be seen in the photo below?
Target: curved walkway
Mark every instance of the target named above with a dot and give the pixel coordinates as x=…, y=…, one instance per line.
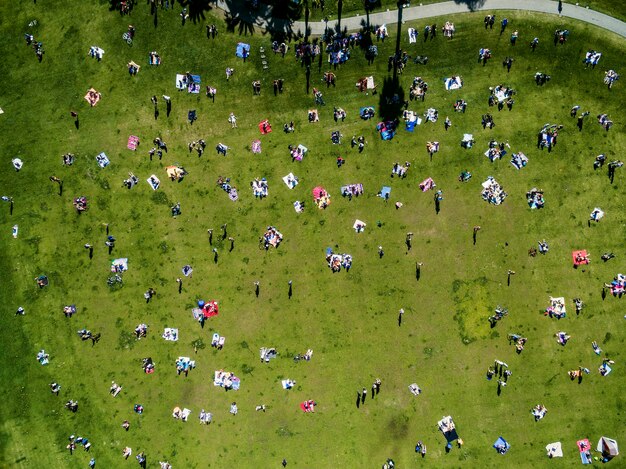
x=354, y=23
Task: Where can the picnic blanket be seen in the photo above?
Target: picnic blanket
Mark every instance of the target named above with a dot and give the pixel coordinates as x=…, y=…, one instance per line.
x=597, y=214
x=359, y=226
x=102, y=159
x=170, y=334
x=494, y=154
x=501, y=445
x=92, y=97
x=119, y=265
x=493, y=192
x=260, y=188
x=243, y=50
x=339, y=57
x=133, y=141
x=233, y=195
x=412, y=35
x=427, y=184
x=265, y=127
x=519, y=160
x=308, y=406
x=181, y=82
x=584, y=447
x=154, y=182
x=290, y=180
x=298, y=207
x=256, y=146
x=554, y=450
x=453, y=83
x=367, y=112
x=154, y=59
x=185, y=363
x=17, y=163
x=366, y=83
x=387, y=130
x=385, y=192
x=580, y=257
x=96, y=52
x=415, y=389
x=448, y=428
x=287, y=383
x=218, y=340
x=354, y=189
x=226, y=380
x=192, y=86
x=605, y=369
x=207, y=309
x=175, y=172
x=411, y=119
x=299, y=152
x=468, y=141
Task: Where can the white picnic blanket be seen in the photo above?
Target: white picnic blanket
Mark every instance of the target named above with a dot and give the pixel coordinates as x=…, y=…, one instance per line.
x=170, y=334
x=290, y=180
x=554, y=450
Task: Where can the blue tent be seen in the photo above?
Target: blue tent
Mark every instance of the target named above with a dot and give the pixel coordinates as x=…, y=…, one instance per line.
x=501, y=445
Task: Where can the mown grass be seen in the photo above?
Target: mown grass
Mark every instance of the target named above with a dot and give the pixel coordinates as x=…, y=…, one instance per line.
x=354, y=7
x=348, y=319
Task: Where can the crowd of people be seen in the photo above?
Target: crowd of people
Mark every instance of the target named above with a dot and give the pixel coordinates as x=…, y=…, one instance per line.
x=339, y=50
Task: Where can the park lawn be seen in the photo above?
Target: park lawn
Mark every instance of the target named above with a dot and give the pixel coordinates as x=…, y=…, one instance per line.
x=348, y=319
x=349, y=8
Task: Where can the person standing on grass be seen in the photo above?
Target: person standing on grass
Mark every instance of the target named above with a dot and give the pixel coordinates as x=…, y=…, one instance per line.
x=503, y=25
x=533, y=43
x=409, y=238
x=476, y=230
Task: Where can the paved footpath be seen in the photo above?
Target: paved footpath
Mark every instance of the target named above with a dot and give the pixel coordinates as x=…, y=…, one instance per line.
x=389, y=17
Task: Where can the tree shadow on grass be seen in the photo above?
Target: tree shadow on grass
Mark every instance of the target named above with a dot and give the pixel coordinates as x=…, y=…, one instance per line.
x=276, y=16
x=391, y=99
x=243, y=26
x=196, y=9
x=472, y=5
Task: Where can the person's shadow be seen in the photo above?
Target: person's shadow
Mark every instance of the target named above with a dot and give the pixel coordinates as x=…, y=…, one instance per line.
x=358, y=400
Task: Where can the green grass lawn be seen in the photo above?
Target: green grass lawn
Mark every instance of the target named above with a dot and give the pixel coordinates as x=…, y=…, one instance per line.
x=353, y=7
x=349, y=319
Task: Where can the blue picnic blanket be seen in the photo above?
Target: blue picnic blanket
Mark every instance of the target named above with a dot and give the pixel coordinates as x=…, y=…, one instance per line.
x=240, y=48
